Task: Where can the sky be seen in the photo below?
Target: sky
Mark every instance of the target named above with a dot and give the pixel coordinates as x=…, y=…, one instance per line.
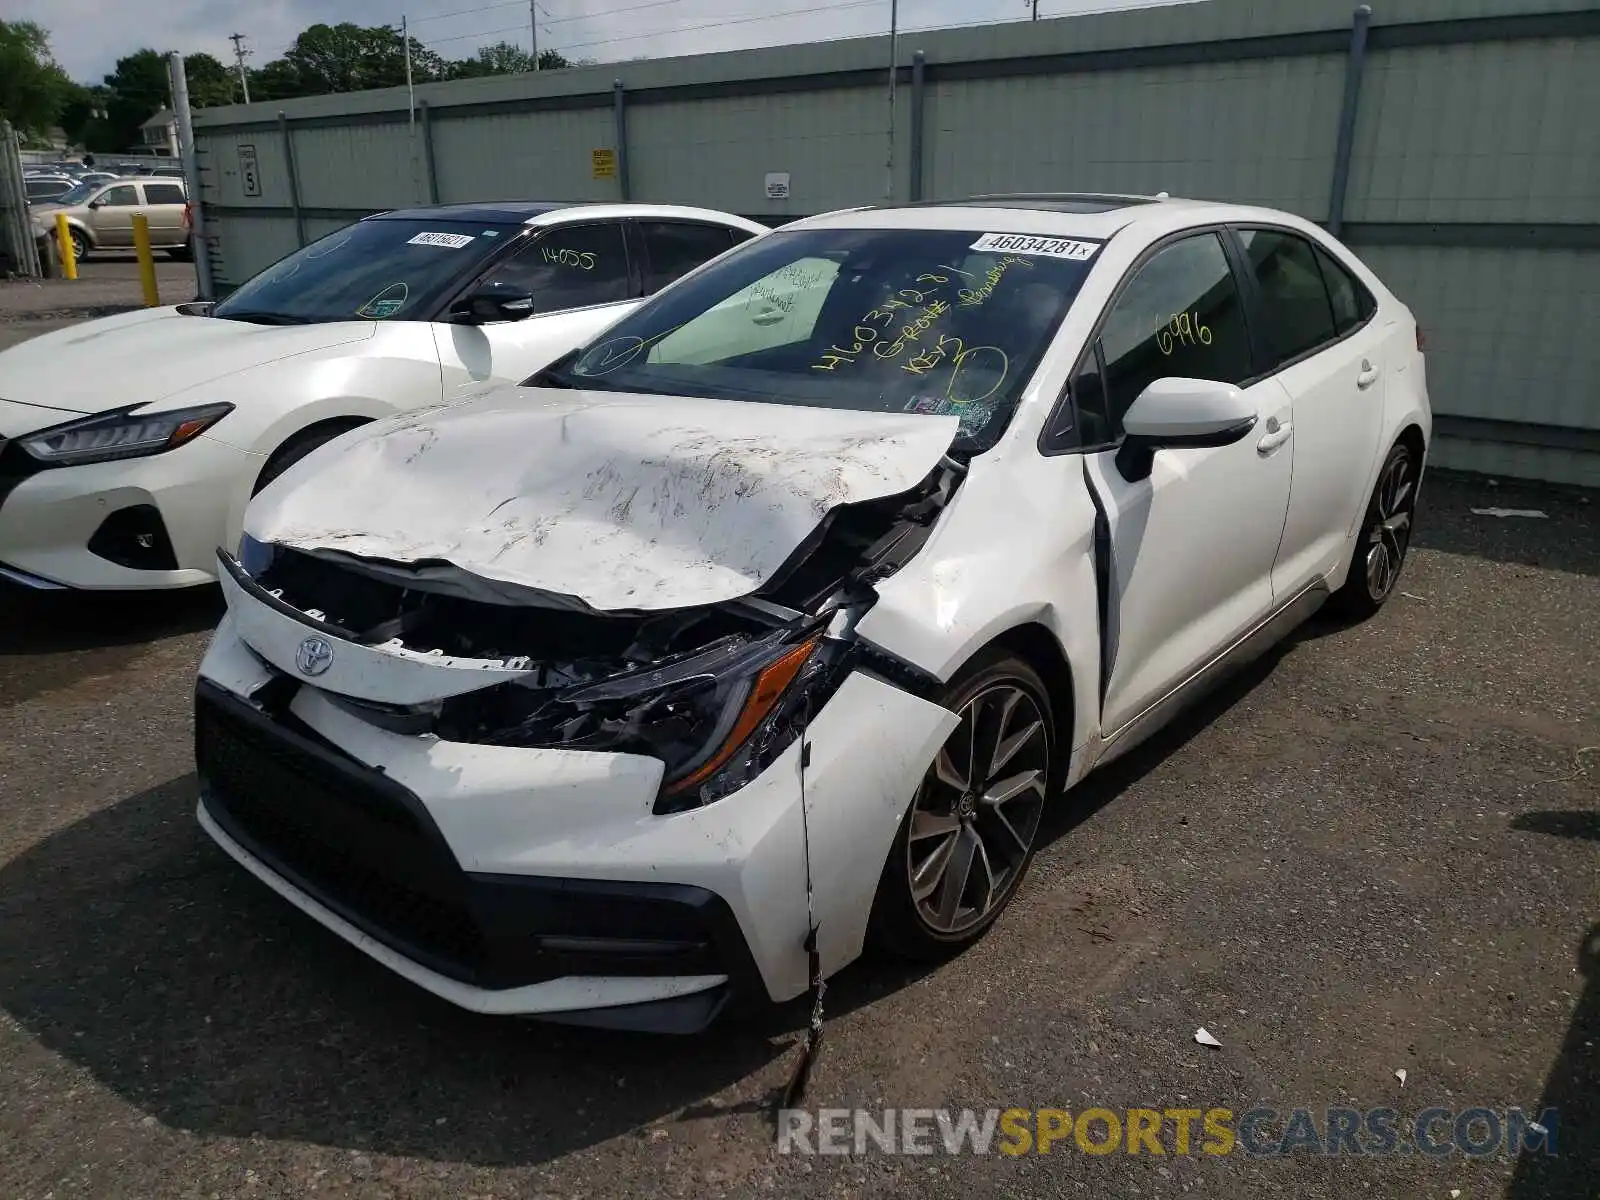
x=90, y=35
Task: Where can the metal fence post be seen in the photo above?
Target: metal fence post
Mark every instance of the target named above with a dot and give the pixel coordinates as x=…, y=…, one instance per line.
x=15, y=223
x=179, y=79
x=919, y=63
x=294, y=179
x=429, y=168
x=1354, y=65
x=620, y=108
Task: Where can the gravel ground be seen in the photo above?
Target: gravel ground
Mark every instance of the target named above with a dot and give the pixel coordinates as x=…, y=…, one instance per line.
x=1378, y=850
x=107, y=283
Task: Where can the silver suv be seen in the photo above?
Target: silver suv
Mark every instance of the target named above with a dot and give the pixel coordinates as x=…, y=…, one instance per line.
x=100, y=215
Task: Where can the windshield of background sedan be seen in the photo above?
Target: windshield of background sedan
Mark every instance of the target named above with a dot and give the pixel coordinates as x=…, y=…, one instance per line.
x=883, y=320
x=374, y=270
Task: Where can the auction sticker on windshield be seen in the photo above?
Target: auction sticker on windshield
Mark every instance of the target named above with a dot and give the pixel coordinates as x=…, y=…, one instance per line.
x=1048, y=247
x=450, y=241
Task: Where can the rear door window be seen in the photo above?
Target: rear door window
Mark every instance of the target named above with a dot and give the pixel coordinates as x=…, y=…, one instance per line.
x=1296, y=315
x=163, y=193
x=1352, y=303
x=674, y=248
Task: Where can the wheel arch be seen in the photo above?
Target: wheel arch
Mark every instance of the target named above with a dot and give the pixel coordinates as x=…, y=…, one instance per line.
x=333, y=426
x=1036, y=645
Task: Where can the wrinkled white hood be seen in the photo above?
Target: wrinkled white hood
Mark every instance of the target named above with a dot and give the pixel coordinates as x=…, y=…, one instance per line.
x=624, y=501
x=148, y=355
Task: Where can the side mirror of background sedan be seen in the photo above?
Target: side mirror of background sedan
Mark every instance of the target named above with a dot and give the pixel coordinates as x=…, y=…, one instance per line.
x=1175, y=414
x=493, y=304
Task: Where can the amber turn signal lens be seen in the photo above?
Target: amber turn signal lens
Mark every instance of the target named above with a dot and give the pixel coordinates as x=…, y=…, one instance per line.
x=768, y=690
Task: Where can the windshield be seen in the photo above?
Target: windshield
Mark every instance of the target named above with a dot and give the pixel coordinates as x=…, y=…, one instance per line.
x=375, y=270
x=77, y=194
x=881, y=320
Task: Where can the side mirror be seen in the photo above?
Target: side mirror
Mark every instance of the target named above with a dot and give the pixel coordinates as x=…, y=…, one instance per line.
x=97, y=203
x=493, y=304
x=1181, y=414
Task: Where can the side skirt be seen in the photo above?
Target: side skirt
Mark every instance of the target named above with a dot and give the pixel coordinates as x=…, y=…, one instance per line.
x=1272, y=629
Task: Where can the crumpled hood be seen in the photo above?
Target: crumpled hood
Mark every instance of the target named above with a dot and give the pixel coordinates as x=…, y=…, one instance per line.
x=148, y=355
x=623, y=501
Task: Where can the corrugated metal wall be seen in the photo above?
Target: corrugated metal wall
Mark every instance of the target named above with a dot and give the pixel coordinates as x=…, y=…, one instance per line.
x=1473, y=174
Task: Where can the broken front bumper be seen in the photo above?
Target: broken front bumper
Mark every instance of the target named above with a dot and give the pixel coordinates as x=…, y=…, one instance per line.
x=538, y=881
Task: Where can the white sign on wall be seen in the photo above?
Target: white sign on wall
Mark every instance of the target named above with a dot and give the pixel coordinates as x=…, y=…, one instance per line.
x=777, y=185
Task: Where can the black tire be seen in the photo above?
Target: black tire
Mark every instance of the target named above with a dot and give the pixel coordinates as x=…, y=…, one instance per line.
x=904, y=923
x=1379, y=557
x=181, y=254
x=296, y=448
x=80, y=244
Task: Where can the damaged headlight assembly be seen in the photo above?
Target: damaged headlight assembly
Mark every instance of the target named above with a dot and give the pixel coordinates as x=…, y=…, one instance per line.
x=717, y=716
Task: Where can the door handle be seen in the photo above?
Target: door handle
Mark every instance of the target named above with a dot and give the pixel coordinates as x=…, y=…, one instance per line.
x=1276, y=436
x=1368, y=376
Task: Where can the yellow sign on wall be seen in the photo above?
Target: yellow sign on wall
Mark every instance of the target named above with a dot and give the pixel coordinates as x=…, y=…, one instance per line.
x=605, y=163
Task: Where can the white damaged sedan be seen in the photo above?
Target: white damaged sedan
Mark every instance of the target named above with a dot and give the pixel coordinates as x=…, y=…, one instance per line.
x=765, y=626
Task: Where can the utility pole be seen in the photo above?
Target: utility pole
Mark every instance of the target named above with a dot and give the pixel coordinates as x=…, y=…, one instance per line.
x=239, y=55
x=1035, y=10
x=533, y=25
x=894, y=79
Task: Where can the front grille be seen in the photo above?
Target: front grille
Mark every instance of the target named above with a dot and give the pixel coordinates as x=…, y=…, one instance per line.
x=346, y=834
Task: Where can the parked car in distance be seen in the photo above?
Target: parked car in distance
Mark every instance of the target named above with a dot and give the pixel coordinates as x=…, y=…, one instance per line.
x=781, y=609
x=100, y=215
x=135, y=485
x=41, y=188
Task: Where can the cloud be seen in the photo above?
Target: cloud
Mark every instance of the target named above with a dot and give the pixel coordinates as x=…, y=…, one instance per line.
x=90, y=35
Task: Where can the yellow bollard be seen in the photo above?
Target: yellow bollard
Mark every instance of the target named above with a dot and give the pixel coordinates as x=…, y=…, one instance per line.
x=147, y=264
x=69, y=259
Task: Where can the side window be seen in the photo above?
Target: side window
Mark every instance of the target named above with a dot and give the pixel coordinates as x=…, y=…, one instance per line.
x=571, y=266
x=1179, y=315
x=675, y=248
x=163, y=193
x=1352, y=303
x=123, y=196
x=1294, y=303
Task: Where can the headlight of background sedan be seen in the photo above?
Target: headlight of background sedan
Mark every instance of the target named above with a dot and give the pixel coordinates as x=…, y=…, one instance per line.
x=120, y=434
x=717, y=717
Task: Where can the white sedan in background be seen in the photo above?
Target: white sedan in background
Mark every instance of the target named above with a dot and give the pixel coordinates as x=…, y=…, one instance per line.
x=129, y=446
x=777, y=613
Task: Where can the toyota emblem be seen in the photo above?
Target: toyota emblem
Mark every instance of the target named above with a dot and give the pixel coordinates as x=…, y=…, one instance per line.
x=314, y=656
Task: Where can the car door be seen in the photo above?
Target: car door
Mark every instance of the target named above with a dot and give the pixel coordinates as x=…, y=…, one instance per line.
x=1189, y=549
x=581, y=279
x=1318, y=335
x=163, y=207
x=111, y=215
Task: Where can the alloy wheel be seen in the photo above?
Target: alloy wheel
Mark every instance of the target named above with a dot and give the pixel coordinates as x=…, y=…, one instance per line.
x=978, y=811
x=1389, y=533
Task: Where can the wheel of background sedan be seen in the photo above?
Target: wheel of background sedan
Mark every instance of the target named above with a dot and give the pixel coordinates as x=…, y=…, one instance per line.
x=1380, y=553
x=966, y=843
x=80, y=244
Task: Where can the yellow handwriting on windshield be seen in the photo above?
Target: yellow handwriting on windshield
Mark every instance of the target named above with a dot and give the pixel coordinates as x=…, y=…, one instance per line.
x=968, y=373
x=972, y=297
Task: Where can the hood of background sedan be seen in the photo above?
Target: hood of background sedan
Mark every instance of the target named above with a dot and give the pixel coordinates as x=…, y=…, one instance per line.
x=146, y=356
x=622, y=501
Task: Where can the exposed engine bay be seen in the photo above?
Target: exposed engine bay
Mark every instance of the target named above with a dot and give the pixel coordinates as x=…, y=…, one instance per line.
x=715, y=692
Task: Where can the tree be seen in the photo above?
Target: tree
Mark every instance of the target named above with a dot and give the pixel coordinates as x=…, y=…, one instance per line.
x=210, y=83
x=33, y=89
x=504, y=58
x=139, y=89
x=353, y=58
